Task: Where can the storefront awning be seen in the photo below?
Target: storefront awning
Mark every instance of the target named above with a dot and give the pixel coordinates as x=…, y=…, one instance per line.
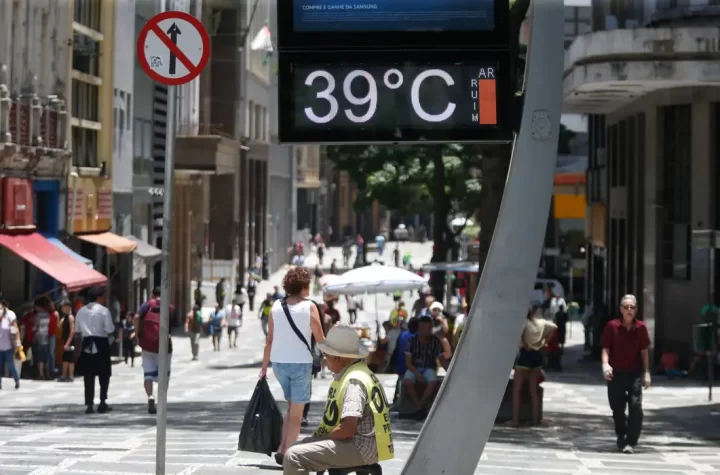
x=145, y=250
x=39, y=252
x=61, y=245
x=115, y=244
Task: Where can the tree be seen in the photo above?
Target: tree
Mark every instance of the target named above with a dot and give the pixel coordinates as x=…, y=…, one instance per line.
x=496, y=160
x=414, y=179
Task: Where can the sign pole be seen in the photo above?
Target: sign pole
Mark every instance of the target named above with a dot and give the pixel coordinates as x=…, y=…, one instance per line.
x=484, y=357
x=165, y=289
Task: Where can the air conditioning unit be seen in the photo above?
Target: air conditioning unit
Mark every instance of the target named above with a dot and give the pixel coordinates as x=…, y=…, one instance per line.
x=17, y=203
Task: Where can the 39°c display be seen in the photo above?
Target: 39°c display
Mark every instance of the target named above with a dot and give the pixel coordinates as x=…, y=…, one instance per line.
x=403, y=102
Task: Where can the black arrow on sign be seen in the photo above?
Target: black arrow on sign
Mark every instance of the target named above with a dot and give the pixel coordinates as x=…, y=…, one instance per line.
x=173, y=32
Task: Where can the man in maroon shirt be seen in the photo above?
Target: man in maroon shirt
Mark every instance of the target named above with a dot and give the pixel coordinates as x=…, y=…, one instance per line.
x=626, y=368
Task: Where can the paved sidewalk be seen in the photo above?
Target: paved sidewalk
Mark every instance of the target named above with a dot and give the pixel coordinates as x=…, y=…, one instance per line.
x=43, y=430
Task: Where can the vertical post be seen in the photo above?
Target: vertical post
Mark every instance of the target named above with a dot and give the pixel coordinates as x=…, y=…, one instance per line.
x=711, y=293
x=571, y=294
x=481, y=366
x=165, y=288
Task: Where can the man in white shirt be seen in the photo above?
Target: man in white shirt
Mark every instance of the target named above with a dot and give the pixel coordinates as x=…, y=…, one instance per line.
x=233, y=313
x=94, y=323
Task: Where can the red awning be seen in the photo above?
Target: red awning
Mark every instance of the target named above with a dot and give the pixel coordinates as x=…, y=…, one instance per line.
x=50, y=259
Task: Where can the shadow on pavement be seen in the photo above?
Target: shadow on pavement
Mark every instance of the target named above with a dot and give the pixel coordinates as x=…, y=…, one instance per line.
x=685, y=428
x=676, y=429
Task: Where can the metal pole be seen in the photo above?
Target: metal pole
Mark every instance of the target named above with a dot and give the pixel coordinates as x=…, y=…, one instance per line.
x=571, y=294
x=466, y=406
x=165, y=289
x=711, y=292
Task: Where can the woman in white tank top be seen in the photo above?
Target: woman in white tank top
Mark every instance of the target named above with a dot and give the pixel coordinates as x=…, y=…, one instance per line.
x=291, y=359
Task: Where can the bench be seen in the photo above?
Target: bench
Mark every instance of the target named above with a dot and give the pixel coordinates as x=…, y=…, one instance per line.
x=374, y=469
x=404, y=407
x=402, y=403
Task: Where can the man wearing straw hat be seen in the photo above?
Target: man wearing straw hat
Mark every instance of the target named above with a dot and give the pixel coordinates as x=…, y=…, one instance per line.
x=355, y=429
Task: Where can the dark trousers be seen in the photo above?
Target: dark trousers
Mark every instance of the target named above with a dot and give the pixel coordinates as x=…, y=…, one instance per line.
x=306, y=410
x=95, y=367
x=625, y=389
x=251, y=301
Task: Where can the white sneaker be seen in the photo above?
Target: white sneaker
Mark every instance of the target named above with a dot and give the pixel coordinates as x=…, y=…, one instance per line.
x=628, y=449
x=322, y=374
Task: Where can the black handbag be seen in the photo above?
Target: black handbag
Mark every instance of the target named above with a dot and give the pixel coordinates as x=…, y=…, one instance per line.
x=316, y=364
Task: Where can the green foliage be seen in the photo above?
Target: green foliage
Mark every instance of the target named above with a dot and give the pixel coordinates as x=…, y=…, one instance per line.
x=565, y=137
x=403, y=178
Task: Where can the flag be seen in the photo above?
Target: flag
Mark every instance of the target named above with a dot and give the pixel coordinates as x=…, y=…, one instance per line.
x=263, y=40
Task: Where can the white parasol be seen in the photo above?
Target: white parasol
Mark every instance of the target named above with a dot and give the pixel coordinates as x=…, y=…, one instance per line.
x=374, y=279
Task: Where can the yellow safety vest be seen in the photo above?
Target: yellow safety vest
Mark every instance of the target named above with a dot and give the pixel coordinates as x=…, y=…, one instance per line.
x=376, y=400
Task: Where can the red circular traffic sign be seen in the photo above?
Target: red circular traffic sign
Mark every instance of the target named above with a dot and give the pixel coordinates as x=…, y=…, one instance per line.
x=173, y=49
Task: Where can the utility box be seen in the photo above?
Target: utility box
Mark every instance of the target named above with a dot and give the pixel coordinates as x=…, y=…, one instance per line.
x=17, y=203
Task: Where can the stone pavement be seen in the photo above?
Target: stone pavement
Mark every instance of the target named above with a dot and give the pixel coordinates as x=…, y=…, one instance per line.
x=43, y=430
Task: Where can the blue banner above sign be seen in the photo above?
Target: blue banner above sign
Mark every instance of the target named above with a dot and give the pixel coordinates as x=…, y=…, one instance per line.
x=393, y=15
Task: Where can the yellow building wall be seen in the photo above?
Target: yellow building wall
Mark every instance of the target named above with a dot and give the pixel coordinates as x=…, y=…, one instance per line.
x=93, y=198
x=105, y=141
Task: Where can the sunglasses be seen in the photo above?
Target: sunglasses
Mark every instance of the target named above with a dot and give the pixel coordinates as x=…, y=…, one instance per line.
x=629, y=307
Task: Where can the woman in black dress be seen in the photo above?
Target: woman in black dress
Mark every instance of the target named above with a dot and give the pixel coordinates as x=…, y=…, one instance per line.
x=67, y=327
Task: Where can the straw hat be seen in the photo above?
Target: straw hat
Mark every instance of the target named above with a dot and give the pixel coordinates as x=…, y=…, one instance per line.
x=344, y=342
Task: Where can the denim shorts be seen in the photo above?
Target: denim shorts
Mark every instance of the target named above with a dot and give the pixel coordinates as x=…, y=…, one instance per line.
x=295, y=380
x=429, y=375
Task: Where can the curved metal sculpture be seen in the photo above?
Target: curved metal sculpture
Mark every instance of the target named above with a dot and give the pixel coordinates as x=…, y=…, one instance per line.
x=462, y=417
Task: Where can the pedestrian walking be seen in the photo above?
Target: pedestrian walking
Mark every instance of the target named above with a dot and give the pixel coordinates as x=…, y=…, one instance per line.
x=294, y=327
x=147, y=325
x=251, y=291
x=264, y=312
x=193, y=328
x=220, y=292
x=67, y=328
x=233, y=313
x=626, y=368
x=216, y=325
x=129, y=336
x=94, y=323
x=9, y=342
x=44, y=337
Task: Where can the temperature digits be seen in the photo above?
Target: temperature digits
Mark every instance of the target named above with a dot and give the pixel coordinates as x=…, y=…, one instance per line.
x=392, y=79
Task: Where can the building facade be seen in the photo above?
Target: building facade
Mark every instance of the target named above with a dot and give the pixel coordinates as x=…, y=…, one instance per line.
x=649, y=77
x=282, y=218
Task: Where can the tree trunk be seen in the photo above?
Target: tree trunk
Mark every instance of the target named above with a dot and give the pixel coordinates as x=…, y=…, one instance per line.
x=440, y=226
x=494, y=174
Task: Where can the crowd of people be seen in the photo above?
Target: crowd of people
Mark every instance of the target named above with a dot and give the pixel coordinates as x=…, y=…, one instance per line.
x=306, y=339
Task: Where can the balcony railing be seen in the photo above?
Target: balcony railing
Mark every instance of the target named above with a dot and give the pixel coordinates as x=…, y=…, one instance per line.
x=189, y=130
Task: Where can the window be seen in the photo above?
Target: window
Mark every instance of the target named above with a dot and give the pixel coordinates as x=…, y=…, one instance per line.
x=137, y=138
x=86, y=54
x=87, y=13
x=84, y=147
x=128, y=109
x=613, y=149
x=258, y=123
x=676, y=190
x=142, y=139
x=251, y=120
x=84, y=100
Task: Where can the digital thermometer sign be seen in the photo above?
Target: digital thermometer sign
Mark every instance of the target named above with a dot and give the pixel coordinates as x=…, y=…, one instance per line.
x=395, y=102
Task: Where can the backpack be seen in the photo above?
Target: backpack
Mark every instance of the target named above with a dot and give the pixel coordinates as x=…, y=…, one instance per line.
x=198, y=318
x=150, y=329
